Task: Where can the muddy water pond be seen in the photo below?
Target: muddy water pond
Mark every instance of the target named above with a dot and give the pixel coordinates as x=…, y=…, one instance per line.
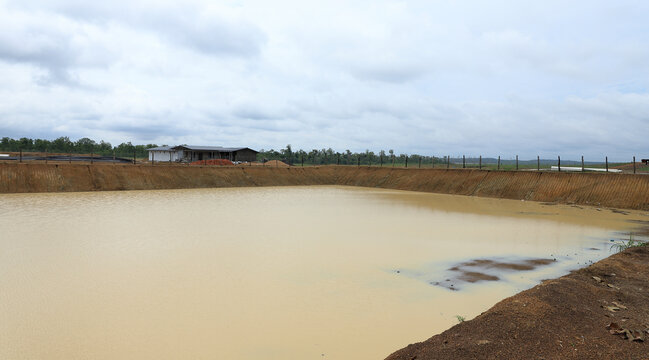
x=270, y=273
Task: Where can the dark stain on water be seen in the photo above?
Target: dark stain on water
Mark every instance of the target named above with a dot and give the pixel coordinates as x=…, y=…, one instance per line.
x=479, y=270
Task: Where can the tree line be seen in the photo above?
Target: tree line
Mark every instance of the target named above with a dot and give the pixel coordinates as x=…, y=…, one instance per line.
x=66, y=146
x=288, y=155
x=86, y=145
x=347, y=157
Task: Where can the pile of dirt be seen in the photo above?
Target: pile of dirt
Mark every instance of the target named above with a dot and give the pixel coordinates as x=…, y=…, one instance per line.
x=599, y=312
x=275, y=163
x=640, y=167
x=220, y=162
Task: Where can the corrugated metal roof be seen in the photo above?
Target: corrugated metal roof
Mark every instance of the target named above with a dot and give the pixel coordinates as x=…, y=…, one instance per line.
x=210, y=148
x=236, y=149
x=199, y=147
x=161, y=148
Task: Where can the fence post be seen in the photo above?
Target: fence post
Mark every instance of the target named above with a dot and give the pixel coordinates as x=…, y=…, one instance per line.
x=433, y=162
x=538, y=163
x=359, y=160
x=634, y=164
x=21, y=155
x=607, y=164
x=45, y=156
x=582, y=163
x=133, y=157
x=448, y=161
x=463, y=162
x=480, y=164
x=406, y=161
x=420, y=162
x=381, y=156
x=516, y=162
x=498, y=162
x=302, y=160
x=114, y=157
x=559, y=163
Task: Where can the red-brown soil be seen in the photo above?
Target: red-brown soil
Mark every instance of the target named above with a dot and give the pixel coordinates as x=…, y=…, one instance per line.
x=218, y=162
x=592, y=313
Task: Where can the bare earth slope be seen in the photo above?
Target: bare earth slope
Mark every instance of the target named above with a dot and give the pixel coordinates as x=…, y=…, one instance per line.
x=625, y=191
x=565, y=318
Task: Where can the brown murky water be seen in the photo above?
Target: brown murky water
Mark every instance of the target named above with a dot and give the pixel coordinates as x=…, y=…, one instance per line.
x=268, y=273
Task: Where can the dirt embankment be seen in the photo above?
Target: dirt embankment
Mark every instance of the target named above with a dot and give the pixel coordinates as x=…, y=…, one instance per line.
x=19, y=178
x=599, y=189
x=599, y=312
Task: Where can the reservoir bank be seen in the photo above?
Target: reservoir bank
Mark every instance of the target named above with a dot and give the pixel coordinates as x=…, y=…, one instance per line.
x=625, y=191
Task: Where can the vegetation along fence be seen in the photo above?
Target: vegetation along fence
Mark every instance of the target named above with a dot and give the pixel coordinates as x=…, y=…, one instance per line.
x=89, y=151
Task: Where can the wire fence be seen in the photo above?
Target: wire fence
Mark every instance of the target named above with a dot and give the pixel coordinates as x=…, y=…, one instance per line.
x=482, y=163
x=367, y=160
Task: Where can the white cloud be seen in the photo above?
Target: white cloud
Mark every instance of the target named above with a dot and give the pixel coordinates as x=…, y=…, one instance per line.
x=432, y=77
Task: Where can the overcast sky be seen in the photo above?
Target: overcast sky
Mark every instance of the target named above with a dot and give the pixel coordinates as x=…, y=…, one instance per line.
x=430, y=77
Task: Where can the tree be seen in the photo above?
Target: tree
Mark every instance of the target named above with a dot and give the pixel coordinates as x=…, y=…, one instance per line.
x=62, y=145
x=85, y=145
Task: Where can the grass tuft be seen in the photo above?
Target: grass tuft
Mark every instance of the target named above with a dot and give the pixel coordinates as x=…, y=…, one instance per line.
x=628, y=244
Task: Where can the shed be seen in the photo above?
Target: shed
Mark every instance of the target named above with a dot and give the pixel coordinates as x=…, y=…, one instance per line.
x=164, y=153
x=194, y=153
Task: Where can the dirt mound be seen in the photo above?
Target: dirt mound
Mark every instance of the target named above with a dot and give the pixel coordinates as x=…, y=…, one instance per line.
x=275, y=163
x=599, y=312
x=220, y=162
x=640, y=167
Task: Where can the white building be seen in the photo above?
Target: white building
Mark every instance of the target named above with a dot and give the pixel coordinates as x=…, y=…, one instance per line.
x=190, y=153
x=164, y=153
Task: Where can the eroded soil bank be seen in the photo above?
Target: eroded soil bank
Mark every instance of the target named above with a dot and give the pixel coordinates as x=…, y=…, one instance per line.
x=598, y=312
x=625, y=191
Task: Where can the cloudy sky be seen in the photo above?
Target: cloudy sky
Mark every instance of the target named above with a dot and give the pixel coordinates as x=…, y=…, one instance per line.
x=431, y=77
